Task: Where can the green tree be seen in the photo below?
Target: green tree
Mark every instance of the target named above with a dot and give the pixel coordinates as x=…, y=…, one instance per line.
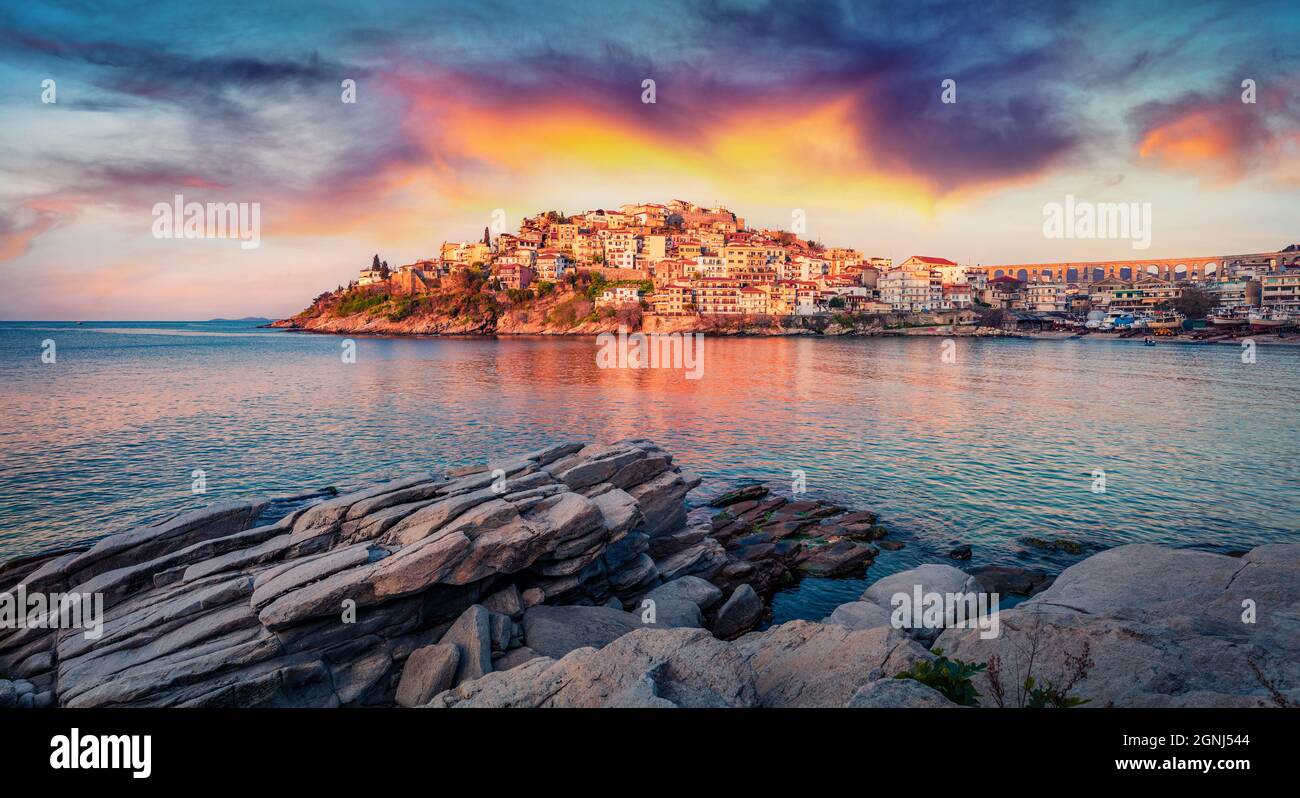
x=1195, y=303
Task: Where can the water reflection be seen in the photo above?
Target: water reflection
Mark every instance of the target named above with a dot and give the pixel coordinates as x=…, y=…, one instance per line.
x=1197, y=447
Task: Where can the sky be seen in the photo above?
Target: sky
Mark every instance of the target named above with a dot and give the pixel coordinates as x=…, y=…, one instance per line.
x=834, y=109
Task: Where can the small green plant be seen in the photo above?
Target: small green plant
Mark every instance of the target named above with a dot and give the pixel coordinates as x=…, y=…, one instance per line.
x=1049, y=696
x=1031, y=693
x=949, y=676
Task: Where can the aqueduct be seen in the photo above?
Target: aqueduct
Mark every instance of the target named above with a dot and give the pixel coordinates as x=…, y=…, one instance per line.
x=1174, y=269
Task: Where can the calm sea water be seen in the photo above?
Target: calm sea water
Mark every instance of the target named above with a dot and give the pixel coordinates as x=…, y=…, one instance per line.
x=1198, y=449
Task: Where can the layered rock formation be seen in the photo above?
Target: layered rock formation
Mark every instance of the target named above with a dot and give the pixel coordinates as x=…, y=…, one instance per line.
x=324, y=606
x=573, y=576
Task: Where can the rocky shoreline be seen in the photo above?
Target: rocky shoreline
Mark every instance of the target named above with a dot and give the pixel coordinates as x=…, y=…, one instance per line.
x=439, y=326
x=575, y=576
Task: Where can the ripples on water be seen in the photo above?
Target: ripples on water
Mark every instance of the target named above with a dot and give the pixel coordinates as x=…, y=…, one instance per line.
x=1198, y=448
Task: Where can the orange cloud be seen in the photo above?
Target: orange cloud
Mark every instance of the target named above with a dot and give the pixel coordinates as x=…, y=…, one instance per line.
x=771, y=150
x=1221, y=141
x=1203, y=142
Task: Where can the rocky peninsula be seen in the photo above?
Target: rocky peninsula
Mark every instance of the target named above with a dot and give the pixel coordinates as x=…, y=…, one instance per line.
x=575, y=576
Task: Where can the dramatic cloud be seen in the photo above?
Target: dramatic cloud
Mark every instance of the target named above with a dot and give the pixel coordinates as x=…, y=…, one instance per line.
x=1221, y=140
x=463, y=108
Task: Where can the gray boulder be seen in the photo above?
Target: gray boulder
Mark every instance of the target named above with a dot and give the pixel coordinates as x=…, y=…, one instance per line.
x=690, y=588
x=514, y=658
x=806, y=664
x=898, y=693
x=471, y=635
x=646, y=668
x=506, y=601
x=859, y=615
x=932, y=578
x=1145, y=625
x=943, y=580
x=739, y=614
x=553, y=631
x=672, y=613
x=428, y=671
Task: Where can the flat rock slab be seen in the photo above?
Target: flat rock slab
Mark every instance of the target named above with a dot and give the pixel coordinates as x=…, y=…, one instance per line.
x=898, y=693
x=1161, y=627
x=736, y=495
x=553, y=631
x=1004, y=579
x=860, y=615
x=842, y=558
x=806, y=664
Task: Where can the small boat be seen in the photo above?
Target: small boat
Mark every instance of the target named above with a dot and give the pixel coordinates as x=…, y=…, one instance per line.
x=1230, y=317
x=1148, y=341
x=1269, y=319
x=1116, y=320
x=1166, y=321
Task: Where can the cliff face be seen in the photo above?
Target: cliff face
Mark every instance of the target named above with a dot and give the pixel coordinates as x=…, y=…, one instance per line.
x=323, y=606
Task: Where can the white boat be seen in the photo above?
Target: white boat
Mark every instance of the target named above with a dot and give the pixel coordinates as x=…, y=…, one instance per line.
x=1269, y=319
x=1167, y=321
x=1230, y=317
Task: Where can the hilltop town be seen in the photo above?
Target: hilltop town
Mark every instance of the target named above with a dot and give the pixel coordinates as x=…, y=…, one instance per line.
x=681, y=266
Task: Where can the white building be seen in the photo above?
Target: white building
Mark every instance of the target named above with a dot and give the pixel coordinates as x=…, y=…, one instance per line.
x=619, y=295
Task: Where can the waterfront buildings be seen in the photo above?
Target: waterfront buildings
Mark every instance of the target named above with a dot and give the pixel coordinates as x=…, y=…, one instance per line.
x=681, y=258
x=916, y=286
x=1281, y=290
x=515, y=275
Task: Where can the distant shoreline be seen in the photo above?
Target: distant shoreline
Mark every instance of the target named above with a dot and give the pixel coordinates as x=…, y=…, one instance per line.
x=938, y=331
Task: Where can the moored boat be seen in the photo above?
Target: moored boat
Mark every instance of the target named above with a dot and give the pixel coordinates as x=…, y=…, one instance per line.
x=1231, y=317
x=1270, y=319
x=1166, y=321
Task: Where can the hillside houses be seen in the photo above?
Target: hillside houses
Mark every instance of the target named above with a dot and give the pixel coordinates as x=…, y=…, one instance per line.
x=681, y=258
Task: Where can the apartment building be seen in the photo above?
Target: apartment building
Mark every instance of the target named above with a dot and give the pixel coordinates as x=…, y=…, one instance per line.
x=716, y=296
x=1281, y=290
